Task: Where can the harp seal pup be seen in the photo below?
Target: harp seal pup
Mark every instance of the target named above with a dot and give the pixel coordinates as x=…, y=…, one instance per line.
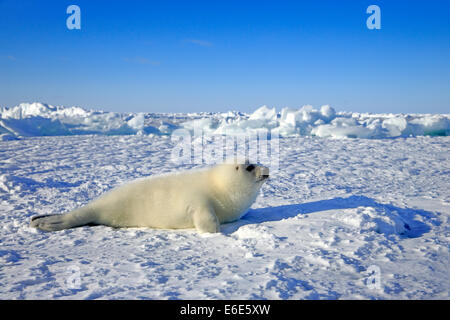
x=201, y=199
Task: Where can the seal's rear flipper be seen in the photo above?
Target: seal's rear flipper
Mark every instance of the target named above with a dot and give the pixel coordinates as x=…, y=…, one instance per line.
x=42, y=216
x=55, y=222
x=50, y=222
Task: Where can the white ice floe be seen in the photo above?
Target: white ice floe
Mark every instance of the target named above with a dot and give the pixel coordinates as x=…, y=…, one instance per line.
x=341, y=219
x=37, y=119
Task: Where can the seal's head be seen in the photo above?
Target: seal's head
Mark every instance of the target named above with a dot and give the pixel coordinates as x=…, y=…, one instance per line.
x=245, y=177
x=256, y=173
x=235, y=187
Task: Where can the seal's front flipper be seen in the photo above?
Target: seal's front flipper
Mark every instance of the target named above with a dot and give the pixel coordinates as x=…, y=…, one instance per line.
x=205, y=220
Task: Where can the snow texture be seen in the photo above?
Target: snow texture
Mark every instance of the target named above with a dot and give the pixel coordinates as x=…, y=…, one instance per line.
x=342, y=219
x=37, y=119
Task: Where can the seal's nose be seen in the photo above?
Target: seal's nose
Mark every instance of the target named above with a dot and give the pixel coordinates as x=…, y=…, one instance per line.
x=264, y=172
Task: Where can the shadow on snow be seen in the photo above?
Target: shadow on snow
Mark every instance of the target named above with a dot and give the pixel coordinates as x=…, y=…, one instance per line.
x=413, y=227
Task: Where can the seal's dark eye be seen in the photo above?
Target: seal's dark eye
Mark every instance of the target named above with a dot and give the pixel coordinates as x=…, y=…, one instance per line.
x=237, y=167
x=250, y=168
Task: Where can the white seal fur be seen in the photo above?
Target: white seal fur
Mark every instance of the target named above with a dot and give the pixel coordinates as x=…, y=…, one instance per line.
x=201, y=199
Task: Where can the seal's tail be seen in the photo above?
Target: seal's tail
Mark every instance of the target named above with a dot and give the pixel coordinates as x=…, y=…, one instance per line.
x=55, y=222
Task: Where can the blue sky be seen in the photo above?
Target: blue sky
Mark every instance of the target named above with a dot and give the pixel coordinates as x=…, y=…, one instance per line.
x=189, y=56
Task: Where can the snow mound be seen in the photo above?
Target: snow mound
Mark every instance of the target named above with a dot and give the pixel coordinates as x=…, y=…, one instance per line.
x=251, y=237
x=37, y=119
x=325, y=122
x=368, y=219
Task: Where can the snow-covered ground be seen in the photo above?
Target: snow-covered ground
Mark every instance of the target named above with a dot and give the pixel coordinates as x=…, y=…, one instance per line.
x=341, y=219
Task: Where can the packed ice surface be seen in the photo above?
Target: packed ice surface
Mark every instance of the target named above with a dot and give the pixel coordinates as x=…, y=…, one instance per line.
x=341, y=219
x=37, y=119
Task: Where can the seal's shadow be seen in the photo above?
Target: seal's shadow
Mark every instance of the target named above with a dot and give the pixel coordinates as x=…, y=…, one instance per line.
x=414, y=227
